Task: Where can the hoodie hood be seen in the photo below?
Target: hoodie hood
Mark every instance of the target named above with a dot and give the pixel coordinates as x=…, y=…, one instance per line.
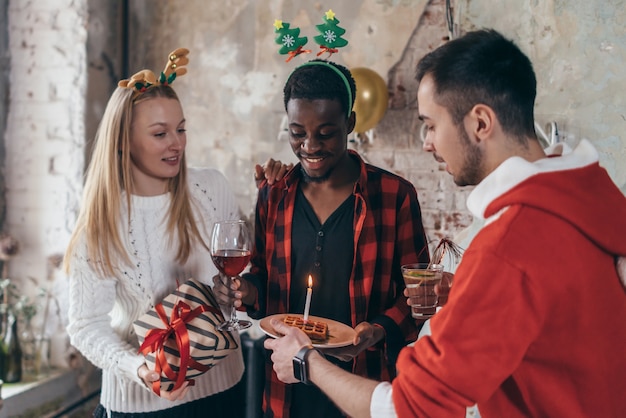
x=568, y=184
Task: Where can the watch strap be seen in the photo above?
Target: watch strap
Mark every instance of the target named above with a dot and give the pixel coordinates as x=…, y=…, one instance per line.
x=300, y=365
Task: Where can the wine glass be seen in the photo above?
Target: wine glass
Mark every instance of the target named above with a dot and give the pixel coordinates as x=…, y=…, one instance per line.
x=230, y=250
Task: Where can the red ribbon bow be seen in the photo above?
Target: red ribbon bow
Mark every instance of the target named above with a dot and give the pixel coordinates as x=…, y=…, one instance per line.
x=330, y=51
x=155, y=339
x=297, y=52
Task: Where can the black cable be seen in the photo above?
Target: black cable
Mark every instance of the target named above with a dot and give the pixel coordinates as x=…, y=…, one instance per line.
x=449, y=19
x=124, y=40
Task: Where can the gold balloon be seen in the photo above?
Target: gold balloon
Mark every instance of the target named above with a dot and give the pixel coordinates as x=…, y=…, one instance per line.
x=371, y=99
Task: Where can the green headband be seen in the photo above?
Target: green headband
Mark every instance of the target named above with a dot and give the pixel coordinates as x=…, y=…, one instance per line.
x=339, y=73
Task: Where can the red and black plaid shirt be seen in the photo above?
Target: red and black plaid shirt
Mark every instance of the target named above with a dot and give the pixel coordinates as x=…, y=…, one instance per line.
x=388, y=232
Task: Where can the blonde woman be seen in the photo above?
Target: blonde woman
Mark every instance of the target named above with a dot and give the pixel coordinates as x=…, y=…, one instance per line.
x=144, y=226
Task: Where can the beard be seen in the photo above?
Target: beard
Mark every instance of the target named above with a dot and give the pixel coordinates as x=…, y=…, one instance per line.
x=318, y=179
x=470, y=173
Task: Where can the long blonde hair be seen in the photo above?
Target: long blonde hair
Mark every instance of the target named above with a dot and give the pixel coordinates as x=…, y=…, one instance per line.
x=109, y=174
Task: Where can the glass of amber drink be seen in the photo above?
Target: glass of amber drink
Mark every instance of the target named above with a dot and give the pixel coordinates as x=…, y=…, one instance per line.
x=420, y=280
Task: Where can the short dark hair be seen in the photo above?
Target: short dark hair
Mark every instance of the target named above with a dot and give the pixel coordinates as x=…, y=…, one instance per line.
x=483, y=67
x=313, y=82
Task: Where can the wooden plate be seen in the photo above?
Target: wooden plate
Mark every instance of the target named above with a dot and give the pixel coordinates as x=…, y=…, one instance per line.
x=341, y=335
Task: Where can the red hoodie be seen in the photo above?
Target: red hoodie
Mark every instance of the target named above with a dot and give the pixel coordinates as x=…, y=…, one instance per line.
x=536, y=321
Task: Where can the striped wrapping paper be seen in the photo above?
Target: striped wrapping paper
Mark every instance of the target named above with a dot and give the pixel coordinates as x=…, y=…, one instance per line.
x=183, y=327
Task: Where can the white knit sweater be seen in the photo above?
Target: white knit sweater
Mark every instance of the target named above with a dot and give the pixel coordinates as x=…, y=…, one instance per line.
x=102, y=309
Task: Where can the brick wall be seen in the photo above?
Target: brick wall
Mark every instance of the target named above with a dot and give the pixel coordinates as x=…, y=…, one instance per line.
x=44, y=139
x=396, y=143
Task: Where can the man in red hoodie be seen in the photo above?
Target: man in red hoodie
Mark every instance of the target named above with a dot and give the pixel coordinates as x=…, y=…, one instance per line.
x=535, y=323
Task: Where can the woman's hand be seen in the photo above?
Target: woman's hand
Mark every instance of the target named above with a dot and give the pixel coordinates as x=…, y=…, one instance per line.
x=270, y=172
x=148, y=376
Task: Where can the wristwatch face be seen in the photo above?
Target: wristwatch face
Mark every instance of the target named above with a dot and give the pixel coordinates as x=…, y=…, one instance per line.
x=299, y=369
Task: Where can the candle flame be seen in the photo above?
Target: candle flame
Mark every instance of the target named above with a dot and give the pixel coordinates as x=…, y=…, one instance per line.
x=310, y=281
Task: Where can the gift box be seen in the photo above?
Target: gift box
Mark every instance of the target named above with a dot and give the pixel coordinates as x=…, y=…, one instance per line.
x=179, y=336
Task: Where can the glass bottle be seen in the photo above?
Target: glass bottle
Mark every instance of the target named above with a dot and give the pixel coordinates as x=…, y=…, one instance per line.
x=10, y=346
x=3, y=319
x=28, y=342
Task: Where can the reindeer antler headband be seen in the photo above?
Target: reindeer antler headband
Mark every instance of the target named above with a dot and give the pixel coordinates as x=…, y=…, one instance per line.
x=143, y=79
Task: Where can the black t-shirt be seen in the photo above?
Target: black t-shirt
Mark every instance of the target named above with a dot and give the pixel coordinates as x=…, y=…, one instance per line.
x=325, y=252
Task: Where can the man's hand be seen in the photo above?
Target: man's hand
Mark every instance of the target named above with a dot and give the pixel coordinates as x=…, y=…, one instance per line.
x=285, y=348
x=270, y=172
x=442, y=290
x=366, y=336
x=148, y=376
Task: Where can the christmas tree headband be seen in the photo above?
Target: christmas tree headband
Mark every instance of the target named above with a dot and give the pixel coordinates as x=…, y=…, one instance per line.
x=142, y=80
x=329, y=39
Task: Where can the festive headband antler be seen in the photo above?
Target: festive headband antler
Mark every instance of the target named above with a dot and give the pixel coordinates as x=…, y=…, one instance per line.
x=143, y=79
x=329, y=39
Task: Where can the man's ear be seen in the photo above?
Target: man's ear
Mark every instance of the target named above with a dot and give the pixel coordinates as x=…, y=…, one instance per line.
x=351, y=122
x=481, y=122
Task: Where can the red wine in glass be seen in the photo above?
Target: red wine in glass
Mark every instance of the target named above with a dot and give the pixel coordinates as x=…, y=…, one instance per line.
x=231, y=262
x=231, y=247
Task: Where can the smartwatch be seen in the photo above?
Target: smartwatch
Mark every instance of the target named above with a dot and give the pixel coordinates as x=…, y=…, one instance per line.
x=300, y=366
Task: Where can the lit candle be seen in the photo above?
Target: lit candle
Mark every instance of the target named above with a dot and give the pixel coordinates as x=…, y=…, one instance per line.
x=307, y=305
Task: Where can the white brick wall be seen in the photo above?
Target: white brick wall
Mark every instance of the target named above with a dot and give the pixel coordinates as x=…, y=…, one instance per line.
x=45, y=138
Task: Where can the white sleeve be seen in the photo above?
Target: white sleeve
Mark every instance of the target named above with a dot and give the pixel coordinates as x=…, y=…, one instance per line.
x=90, y=302
x=215, y=195
x=382, y=402
x=225, y=198
x=215, y=201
